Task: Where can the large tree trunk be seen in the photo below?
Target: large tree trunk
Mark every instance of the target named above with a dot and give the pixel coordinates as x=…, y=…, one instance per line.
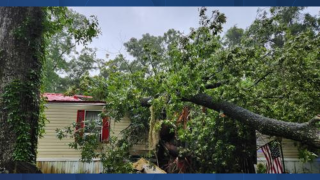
x=21, y=52
x=308, y=133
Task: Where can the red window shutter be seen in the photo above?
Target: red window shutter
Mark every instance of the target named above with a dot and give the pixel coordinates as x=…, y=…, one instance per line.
x=80, y=120
x=105, y=129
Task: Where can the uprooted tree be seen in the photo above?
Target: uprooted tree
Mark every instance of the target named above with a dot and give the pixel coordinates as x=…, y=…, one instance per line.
x=265, y=79
x=207, y=95
x=24, y=34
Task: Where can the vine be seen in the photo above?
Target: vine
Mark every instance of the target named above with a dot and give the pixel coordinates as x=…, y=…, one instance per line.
x=17, y=114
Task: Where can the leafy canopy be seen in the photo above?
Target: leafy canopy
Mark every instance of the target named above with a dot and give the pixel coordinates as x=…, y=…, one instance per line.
x=271, y=68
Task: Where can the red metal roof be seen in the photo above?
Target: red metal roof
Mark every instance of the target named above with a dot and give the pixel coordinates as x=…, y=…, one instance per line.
x=58, y=97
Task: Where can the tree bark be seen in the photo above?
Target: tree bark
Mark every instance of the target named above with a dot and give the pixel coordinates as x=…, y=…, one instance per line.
x=307, y=133
x=21, y=49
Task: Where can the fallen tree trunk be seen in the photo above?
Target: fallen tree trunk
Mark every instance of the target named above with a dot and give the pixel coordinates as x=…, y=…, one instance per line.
x=307, y=133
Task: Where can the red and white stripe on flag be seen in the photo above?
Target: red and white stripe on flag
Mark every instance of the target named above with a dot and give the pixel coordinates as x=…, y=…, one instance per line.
x=274, y=161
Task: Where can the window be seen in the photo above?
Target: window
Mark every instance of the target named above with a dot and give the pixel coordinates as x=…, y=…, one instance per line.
x=91, y=123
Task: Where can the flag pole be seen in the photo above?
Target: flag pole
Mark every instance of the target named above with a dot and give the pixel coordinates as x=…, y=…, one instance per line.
x=282, y=157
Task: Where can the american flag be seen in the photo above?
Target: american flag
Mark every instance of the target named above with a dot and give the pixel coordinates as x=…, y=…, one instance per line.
x=272, y=153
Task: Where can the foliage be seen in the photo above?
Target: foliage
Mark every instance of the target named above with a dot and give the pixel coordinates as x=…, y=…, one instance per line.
x=114, y=155
x=92, y=86
x=287, y=65
x=272, y=68
x=12, y=96
x=115, y=160
x=306, y=154
x=215, y=143
x=233, y=36
x=71, y=29
x=274, y=73
x=261, y=168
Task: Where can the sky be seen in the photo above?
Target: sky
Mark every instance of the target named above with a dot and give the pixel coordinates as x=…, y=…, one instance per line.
x=119, y=24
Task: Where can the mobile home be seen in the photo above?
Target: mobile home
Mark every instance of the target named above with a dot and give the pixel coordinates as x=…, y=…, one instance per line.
x=54, y=155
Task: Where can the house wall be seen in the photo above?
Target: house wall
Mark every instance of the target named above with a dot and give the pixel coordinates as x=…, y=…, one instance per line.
x=54, y=155
x=60, y=115
x=291, y=157
x=117, y=127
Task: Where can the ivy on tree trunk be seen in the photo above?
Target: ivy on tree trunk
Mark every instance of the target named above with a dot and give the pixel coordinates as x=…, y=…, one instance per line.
x=21, y=60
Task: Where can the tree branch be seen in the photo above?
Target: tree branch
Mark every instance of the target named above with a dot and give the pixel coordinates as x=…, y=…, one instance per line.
x=303, y=132
x=307, y=133
x=215, y=85
x=146, y=102
x=315, y=120
x=262, y=78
